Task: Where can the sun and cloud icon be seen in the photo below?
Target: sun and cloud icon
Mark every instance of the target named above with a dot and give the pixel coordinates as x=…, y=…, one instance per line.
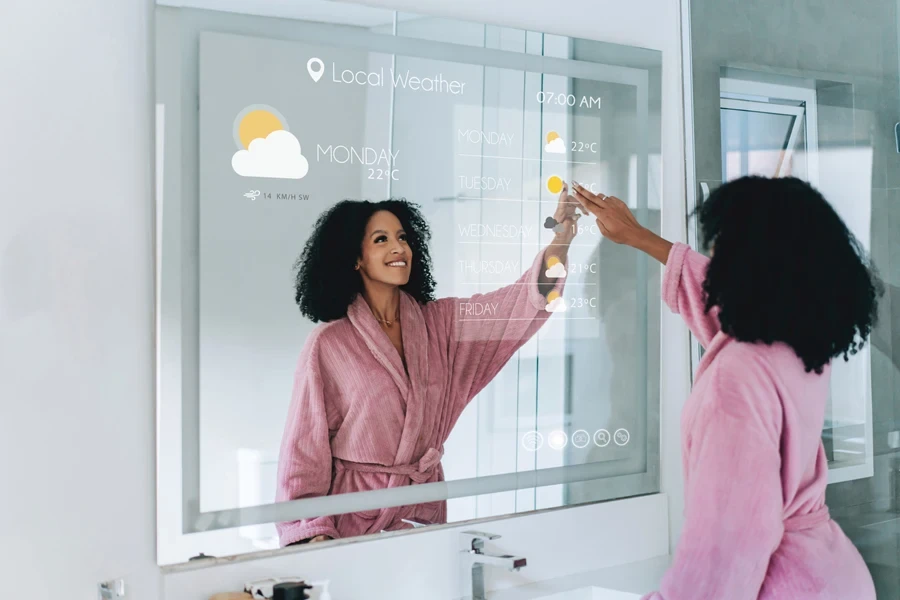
x=266, y=147
x=555, y=144
x=555, y=302
x=555, y=268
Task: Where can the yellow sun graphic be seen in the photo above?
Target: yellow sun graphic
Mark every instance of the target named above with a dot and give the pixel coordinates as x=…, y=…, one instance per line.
x=552, y=136
x=552, y=296
x=257, y=124
x=554, y=184
x=552, y=261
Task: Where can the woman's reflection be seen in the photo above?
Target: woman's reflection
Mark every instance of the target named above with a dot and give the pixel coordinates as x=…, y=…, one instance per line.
x=381, y=383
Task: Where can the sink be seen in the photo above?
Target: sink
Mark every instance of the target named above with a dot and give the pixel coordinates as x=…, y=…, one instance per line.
x=629, y=581
x=591, y=593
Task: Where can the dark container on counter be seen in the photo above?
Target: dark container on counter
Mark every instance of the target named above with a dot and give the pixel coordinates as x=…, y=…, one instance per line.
x=290, y=591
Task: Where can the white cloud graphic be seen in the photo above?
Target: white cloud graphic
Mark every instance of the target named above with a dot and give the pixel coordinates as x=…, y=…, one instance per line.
x=557, y=146
x=277, y=156
x=558, y=305
x=556, y=271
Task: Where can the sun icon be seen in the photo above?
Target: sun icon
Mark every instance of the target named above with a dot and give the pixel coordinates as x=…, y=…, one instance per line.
x=554, y=184
x=257, y=121
x=266, y=147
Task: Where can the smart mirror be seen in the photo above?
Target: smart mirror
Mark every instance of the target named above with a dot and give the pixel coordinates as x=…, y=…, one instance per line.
x=332, y=365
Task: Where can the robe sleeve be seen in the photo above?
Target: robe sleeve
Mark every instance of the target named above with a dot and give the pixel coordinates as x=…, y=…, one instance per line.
x=481, y=344
x=305, y=462
x=733, y=496
x=682, y=291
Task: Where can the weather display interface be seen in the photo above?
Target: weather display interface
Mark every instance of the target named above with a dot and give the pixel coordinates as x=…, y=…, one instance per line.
x=288, y=129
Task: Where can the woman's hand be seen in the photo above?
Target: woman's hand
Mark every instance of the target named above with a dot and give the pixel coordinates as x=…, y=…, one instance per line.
x=565, y=215
x=319, y=538
x=617, y=224
x=614, y=218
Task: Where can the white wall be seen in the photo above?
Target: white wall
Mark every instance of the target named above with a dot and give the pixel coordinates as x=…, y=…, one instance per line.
x=76, y=298
x=76, y=276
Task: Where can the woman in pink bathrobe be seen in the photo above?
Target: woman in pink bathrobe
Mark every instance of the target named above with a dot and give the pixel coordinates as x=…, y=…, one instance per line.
x=380, y=385
x=788, y=289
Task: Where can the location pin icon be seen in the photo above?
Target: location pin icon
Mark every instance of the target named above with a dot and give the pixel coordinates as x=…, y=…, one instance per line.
x=315, y=67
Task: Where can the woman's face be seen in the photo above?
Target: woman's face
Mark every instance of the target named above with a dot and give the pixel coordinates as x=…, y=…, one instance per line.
x=386, y=255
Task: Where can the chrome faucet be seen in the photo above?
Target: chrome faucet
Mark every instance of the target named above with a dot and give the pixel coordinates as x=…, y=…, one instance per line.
x=474, y=559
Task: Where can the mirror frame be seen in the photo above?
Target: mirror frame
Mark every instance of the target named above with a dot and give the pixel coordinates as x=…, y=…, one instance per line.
x=182, y=528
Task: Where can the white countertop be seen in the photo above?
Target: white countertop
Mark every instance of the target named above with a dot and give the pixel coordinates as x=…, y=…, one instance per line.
x=636, y=579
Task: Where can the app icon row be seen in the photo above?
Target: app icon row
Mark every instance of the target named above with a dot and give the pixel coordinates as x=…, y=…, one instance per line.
x=558, y=439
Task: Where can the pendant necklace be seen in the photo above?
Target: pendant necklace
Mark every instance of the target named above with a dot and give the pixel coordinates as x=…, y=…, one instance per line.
x=385, y=321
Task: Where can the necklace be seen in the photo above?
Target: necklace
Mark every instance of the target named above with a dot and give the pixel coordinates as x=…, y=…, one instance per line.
x=385, y=321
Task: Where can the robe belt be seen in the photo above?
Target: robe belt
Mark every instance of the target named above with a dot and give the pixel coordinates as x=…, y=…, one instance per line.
x=419, y=472
x=807, y=521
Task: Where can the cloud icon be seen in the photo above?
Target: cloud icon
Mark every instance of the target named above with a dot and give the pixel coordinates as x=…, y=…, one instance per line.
x=556, y=271
x=556, y=146
x=277, y=155
x=557, y=305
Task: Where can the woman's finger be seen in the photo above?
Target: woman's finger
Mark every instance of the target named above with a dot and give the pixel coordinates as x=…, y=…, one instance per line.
x=580, y=202
x=583, y=190
x=588, y=201
x=598, y=199
x=588, y=207
x=586, y=192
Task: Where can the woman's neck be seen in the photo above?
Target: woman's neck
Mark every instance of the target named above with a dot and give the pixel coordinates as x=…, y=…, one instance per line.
x=383, y=301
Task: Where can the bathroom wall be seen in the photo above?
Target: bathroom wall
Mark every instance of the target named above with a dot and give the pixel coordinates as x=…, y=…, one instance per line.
x=76, y=281
x=76, y=298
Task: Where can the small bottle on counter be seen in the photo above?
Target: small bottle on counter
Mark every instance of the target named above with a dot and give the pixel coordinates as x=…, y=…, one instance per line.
x=291, y=591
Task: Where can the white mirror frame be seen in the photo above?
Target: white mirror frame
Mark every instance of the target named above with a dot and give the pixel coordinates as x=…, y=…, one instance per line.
x=183, y=530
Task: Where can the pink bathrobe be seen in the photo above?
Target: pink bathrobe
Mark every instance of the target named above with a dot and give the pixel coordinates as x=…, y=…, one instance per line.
x=357, y=422
x=756, y=524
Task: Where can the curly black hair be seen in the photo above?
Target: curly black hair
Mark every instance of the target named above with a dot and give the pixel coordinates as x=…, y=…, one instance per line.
x=785, y=268
x=325, y=281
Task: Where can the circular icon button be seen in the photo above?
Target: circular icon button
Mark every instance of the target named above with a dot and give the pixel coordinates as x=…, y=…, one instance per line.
x=601, y=438
x=532, y=441
x=558, y=440
x=622, y=436
x=581, y=438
